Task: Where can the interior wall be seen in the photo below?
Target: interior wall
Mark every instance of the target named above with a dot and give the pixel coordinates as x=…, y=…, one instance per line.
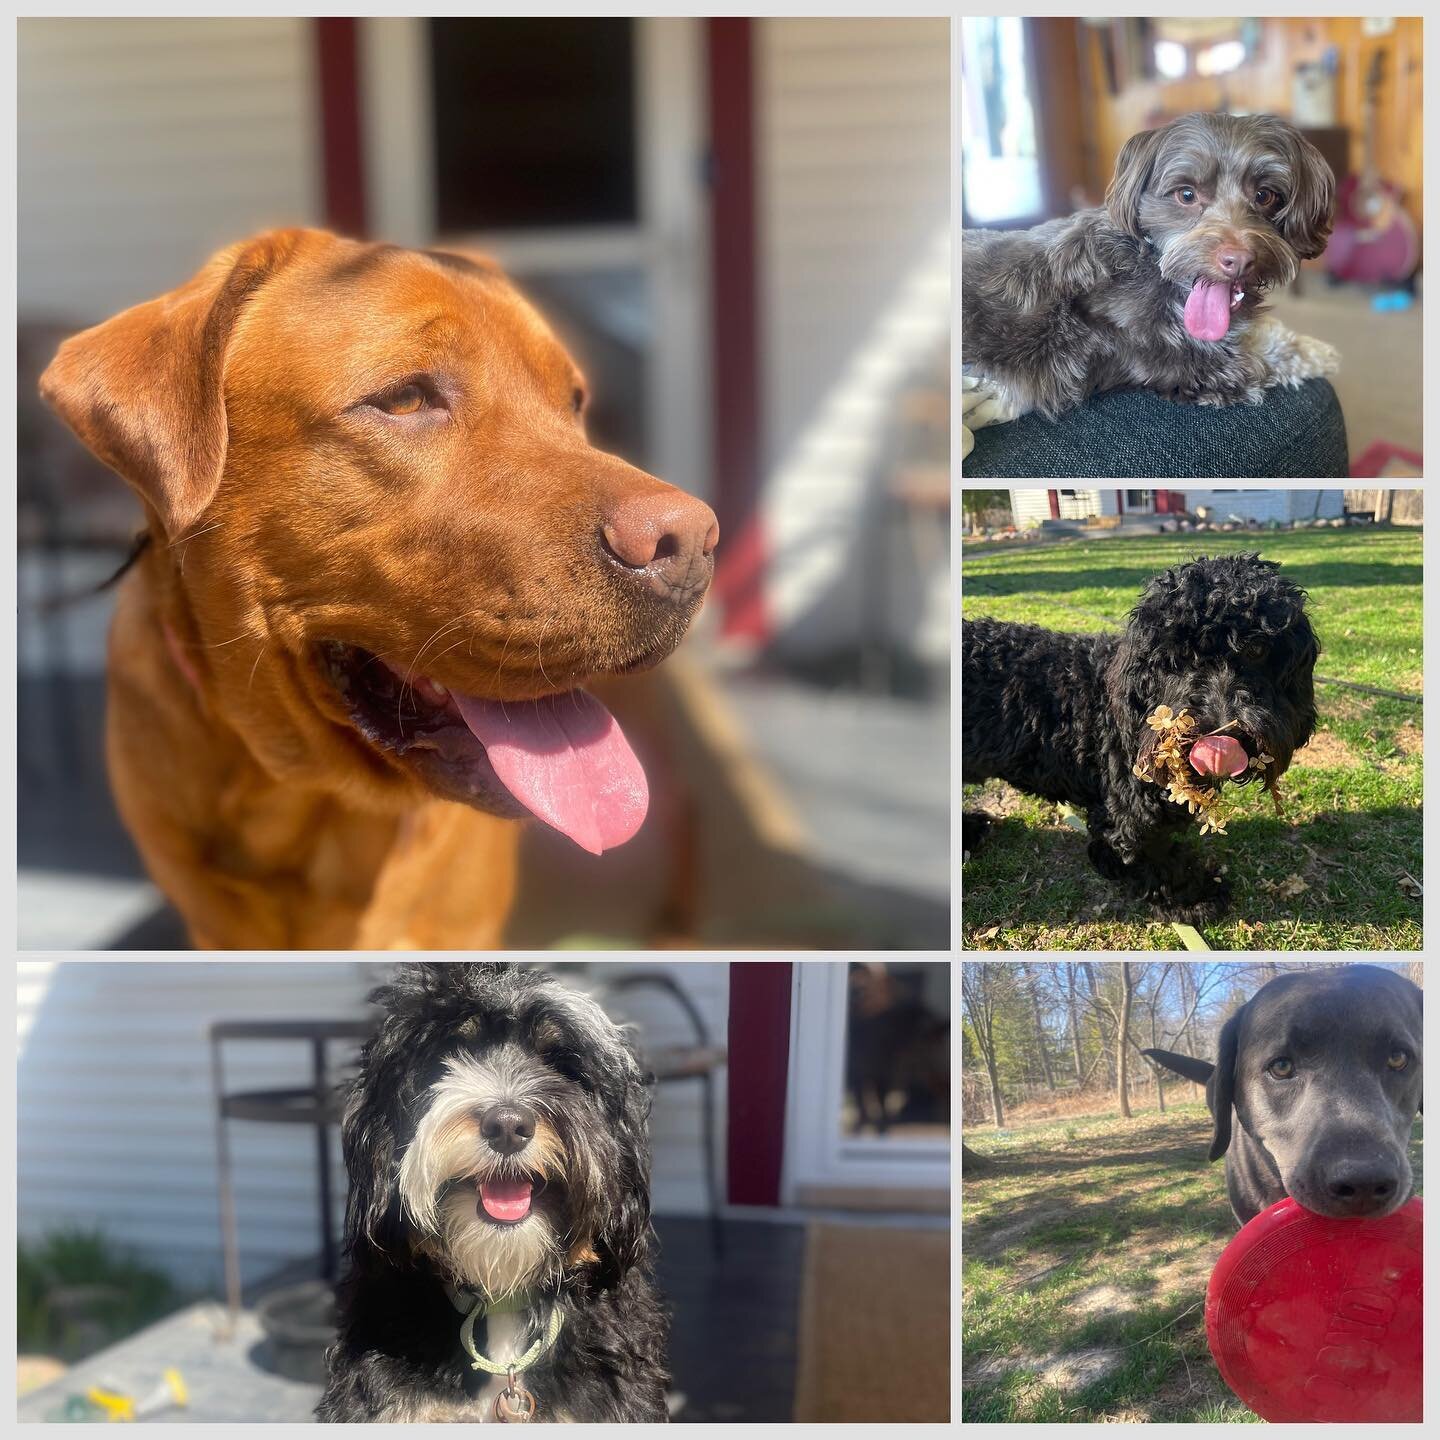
x=1265, y=83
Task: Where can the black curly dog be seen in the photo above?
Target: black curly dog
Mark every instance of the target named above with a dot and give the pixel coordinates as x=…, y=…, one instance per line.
x=1063, y=716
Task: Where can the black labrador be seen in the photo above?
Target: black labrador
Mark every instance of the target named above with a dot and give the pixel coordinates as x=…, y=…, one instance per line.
x=1322, y=1069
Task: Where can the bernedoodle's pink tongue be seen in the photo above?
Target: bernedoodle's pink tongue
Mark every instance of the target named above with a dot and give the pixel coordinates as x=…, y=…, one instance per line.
x=1207, y=311
x=506, y=1199
x=565, y=759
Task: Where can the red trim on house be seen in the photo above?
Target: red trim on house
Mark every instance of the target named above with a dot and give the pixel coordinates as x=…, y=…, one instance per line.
x=342, y=154
x=735, y=455
x=758, y=1072
x=1053, y=496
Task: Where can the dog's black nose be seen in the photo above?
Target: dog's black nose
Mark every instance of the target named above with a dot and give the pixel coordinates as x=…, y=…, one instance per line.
x=1358, y=1187
x=507, y=1128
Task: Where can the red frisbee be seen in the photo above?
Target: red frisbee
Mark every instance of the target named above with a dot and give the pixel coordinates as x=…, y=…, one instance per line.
x=1317, y=1319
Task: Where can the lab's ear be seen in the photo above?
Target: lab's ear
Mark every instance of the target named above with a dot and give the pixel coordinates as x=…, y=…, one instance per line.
x=1220, y=1091
x=1187, y=1065
x=145, y=390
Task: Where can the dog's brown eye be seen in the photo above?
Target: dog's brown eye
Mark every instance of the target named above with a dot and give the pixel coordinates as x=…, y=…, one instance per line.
x=577, y=400
x=1281, y=1069
x=1186, y=195
x=1267, y=198
x=1398, y=1060
x=407, y=400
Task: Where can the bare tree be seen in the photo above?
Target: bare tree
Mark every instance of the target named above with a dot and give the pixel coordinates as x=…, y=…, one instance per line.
x=1070, y=978
x=981, y=986
x=1032, y=989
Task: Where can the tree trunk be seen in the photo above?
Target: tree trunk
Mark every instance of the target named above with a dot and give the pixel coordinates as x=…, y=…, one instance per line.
x=1122, y=1032
x=973, y=1165
x=996, y=1101
x=1033, y=986
x=1074, y=1026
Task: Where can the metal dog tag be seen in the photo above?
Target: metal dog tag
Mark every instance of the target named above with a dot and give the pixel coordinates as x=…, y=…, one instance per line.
x=514, y=1405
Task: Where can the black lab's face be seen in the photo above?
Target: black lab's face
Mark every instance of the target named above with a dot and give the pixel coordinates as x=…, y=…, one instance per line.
x=1328, y=1081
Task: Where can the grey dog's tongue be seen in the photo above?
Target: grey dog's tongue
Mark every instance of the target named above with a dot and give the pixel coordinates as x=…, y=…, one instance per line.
x=1207, y=310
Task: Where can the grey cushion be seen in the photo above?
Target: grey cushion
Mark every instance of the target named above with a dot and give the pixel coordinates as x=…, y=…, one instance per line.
x=1136, y=434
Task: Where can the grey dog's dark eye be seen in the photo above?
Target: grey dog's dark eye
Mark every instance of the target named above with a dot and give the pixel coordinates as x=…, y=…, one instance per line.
x=1266, y=198
x=1186, y=195
x=1398, y=1059
x=1281, y=1069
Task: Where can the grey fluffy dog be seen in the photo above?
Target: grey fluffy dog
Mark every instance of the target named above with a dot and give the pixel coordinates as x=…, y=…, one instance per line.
x=1161, y=287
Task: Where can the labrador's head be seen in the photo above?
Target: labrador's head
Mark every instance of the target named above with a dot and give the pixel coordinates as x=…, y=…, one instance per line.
x=1322, y=1070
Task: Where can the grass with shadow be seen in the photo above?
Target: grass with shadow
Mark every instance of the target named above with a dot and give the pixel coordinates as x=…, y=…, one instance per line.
x=1339, y=871
x=1085, y=1260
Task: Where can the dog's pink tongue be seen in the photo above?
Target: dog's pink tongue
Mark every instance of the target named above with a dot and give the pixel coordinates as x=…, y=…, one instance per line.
x=505, y=1199
x=1207, y=311
x=565, y=759
x=1218, y=755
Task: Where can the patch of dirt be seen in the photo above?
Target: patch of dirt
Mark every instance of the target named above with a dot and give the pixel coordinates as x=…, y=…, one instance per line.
x=1079, y=1368
x=1187, y=1273
x=1098, y=1298
x=1326, y=752
x=1072, y=1370
x=1409, y=739
x=993, y=1242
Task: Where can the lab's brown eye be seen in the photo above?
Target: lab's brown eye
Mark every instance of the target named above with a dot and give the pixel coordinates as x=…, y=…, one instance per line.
x=1399, y=1060
x=577, y=400
x=407, y=400
x=1186, y=195
x=1281, y=1069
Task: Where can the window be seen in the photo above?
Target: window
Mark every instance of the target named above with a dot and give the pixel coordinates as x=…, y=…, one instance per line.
x=534, y=123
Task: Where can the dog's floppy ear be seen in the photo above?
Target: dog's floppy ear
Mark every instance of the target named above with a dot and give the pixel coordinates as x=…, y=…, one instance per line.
x=624, y=1237
x=1132, y=174
x=145, y=390
x=1220, y=1090
x=1309, y=213
x=370, y=1139
x=1187, y=1065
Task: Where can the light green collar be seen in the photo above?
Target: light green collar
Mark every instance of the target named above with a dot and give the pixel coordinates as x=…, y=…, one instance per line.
x=473, y=1306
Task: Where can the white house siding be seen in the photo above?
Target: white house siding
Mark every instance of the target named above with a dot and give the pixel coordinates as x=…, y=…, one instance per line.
x=115, y=1113
x=1269, y=503
x=144, y=145
x=1031, y=507
x=853, y=196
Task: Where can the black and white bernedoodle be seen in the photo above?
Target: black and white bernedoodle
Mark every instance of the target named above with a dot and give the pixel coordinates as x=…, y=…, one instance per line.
x=1162, y=286
x=498, y=1231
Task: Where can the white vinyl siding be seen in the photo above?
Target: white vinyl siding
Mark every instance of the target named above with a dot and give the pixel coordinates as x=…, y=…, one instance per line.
x=144, y=145
x=116, y=1119
x=852, y=184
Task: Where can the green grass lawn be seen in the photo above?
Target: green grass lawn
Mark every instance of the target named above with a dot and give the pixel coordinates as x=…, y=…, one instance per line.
x=1085, y=1261
x=1330, y=875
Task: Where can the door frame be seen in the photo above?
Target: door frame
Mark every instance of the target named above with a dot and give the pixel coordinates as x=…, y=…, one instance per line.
x=817, y=1155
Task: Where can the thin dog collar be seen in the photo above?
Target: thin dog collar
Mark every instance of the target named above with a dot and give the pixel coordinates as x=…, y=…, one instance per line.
x=473, y=1306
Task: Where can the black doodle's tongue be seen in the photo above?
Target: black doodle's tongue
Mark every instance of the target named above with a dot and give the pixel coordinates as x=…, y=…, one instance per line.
x=1207, y=311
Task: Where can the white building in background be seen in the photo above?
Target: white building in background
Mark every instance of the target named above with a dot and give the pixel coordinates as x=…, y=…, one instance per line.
x=1032, y=507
